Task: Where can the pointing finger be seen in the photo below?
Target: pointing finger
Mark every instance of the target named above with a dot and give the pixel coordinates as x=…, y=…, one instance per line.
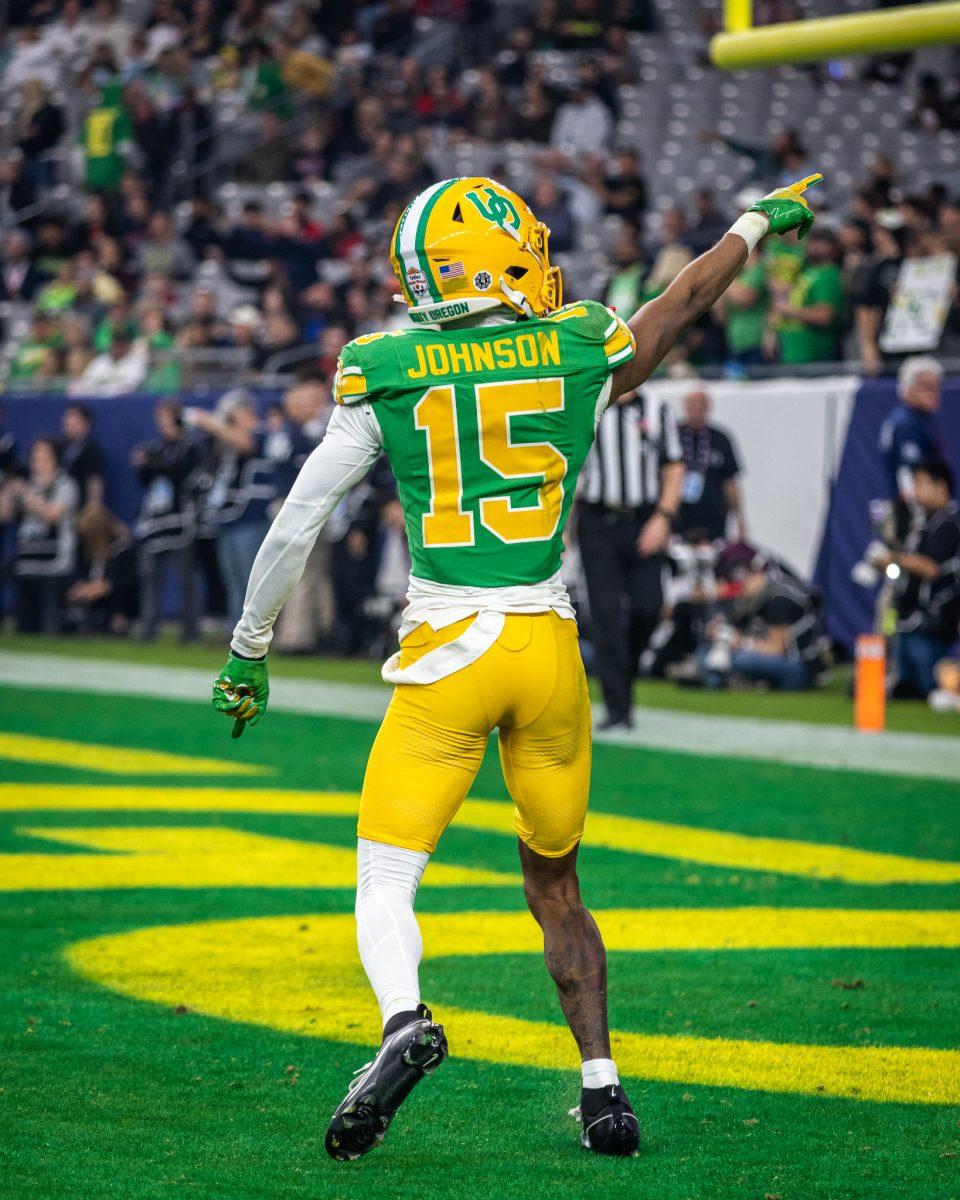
x=802, y=184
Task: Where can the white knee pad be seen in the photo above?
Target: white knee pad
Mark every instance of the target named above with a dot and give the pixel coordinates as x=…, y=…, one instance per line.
x=388, y=937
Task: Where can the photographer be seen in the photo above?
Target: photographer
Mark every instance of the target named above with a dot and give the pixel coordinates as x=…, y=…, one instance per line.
x=103, y=598
x=43, y=507
x=81, y=456
x=167, y=522
x=928, y=586
x=771, y=632
x=10, y=470
x=309, y=612
x=242, y=490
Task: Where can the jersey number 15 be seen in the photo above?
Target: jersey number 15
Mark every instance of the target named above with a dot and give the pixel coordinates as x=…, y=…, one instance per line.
x=446, y=524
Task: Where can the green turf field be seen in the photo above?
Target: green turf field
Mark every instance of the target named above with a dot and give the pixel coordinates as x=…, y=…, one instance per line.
x=830, y=705
x=182, y=1007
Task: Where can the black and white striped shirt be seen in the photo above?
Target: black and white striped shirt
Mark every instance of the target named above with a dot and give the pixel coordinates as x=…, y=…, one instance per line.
x=634, y=440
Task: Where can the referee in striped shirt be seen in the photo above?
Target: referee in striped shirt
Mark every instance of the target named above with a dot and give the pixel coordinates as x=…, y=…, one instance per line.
x=628, y=501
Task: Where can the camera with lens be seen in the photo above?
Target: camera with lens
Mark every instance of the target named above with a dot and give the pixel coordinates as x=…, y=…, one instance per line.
x=869, y=571
x=719, y=657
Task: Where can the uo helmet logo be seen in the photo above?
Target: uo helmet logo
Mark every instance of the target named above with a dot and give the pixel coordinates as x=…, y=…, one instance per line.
x=500, y=210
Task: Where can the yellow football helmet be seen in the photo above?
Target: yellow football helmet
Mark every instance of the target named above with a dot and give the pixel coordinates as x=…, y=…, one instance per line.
x=467, y=245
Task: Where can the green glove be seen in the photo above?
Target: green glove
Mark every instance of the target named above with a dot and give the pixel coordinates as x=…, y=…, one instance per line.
x=241, y=690
x=786, y=208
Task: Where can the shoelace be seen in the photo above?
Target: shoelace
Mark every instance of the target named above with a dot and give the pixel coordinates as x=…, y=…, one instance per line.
x=358, y=1073
x=366, y=1066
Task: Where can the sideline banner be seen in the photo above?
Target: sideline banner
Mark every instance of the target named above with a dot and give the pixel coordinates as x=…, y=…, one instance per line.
x=860, y=479
x=788, y=434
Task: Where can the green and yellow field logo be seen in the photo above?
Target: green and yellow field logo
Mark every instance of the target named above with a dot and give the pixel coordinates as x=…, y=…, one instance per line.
x=262, y=970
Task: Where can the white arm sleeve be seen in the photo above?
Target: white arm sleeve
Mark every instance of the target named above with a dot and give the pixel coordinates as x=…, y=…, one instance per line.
x=352, y=444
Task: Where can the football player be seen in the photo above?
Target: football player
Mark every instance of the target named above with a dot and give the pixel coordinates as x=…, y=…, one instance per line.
x=486, y=409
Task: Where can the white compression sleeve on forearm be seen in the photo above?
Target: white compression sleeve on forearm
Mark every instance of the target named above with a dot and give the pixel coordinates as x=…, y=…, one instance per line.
x=388, y=936
x=351, y=445
x=752, y=226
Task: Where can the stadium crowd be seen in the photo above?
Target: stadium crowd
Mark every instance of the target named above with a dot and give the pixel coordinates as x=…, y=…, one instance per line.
x=127, y=264
x=192, y=193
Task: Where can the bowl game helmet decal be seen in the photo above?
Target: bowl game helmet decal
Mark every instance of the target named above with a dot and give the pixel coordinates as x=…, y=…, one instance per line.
x=467, y=245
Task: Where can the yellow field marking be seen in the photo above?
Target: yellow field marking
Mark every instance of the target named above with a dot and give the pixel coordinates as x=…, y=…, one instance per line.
x=138, y=857
x=300, y=974
x=41, y=797
x=634, y=835
x=786, y=856
x=717, y=848
x=116, y=760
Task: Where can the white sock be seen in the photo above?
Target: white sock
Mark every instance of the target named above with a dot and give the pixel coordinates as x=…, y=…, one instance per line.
x=388, y=936
x=600, y=1072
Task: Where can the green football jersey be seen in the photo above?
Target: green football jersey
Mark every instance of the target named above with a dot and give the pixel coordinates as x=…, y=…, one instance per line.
x=486, y=430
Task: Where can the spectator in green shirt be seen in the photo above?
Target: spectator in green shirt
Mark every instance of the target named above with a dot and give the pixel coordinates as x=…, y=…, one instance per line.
x=118, y=321
x=103, y=135
x=163, y=376
x=783, y=262
x=808, y=320
x=268, y=91
x=33, y=352
x=59, y=293
x=746, y=304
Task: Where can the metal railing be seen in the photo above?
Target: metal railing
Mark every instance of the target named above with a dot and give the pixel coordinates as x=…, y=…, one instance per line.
x=275, y=368
x=230, y=367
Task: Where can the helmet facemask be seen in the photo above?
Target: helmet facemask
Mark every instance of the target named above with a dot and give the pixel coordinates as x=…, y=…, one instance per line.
x=529, y=299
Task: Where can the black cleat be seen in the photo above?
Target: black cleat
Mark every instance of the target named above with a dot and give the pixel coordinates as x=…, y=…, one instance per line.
x=363, y=1118
x=609, y=1123
x=616, y=724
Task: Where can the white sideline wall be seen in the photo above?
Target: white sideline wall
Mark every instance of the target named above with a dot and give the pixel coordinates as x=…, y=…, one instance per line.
x=789, y=435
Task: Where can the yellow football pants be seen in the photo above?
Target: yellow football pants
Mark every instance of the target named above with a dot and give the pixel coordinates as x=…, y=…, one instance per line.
x=531, y=686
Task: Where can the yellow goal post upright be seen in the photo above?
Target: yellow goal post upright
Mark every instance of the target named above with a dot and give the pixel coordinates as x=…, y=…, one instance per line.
x=742, y=45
